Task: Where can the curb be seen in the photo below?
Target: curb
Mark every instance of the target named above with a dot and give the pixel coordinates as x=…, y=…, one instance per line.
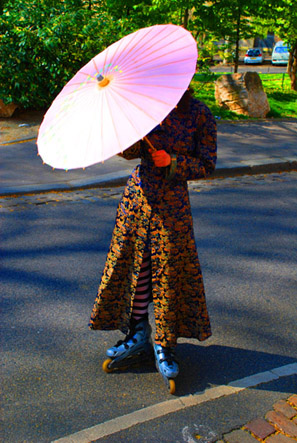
x=20, y=140
x=120, y=178
x=254, y=170
x=107, y=181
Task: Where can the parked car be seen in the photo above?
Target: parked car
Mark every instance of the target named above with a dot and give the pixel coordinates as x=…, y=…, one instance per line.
x=280, y=54
x=254, y=55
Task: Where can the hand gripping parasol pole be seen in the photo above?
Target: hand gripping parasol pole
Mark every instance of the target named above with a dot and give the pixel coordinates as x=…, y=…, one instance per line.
x=149, y=143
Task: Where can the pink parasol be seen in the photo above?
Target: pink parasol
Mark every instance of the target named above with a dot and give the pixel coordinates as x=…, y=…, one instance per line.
x=118, y=97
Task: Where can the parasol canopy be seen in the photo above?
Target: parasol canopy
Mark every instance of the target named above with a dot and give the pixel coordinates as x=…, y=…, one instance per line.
x=118, y=97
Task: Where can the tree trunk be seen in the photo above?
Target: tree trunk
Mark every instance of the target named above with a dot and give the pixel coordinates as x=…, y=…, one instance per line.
x=237, y=39
x=186, y=18
x=256, y=42
x=292, y=66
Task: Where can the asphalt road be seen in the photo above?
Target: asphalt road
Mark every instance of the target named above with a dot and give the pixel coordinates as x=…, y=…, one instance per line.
x=264, y=68
x=53, y=250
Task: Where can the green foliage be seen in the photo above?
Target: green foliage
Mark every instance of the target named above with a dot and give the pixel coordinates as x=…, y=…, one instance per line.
x=44, y=42
x=282, y=100
x=285, y=20
x=281, y=17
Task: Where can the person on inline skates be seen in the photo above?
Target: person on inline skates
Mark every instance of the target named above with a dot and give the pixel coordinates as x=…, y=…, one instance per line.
x=153, y=255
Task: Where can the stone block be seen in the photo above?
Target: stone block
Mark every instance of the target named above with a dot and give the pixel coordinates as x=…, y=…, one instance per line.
x=242, y=93
x=280, y=438
x=293, y=400
x=239, y=436
x=7, y=110
x=261, y=428
x=283, y=407
x=282, y=423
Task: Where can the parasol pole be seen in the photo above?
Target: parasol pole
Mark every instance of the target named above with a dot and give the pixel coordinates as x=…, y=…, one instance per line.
x=150, y=144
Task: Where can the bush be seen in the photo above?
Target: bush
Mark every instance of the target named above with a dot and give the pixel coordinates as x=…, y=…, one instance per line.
x=45, y=42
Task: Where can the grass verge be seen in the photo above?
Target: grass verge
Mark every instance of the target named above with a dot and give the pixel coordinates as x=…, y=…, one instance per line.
x=282, y=100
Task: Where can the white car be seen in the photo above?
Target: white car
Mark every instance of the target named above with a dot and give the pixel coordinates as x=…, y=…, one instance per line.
x=280, y=54
x=253, y=56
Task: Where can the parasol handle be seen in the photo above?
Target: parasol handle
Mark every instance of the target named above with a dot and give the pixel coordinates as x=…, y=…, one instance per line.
x=149, y=143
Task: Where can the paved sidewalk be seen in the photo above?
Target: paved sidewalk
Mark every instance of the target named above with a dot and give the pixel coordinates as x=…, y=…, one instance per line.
x=279, y=426
x=247, y=147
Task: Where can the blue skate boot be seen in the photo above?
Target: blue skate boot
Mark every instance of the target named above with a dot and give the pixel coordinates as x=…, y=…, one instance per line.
x=167, y=365
x=137, y=345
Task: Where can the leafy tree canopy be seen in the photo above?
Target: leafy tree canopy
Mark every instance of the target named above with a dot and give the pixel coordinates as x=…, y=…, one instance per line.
x=44, y=42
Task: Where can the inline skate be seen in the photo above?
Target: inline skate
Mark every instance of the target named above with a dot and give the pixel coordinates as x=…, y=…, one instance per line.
x=135, y=347
x=167, y=365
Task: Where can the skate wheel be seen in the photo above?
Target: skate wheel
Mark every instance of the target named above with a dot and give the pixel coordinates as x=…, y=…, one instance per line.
x=171, y=386
x=106, y=367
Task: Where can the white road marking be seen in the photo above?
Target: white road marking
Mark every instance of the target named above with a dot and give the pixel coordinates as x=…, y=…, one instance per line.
x=167, y=407
x=201, y=433
x=187, y=437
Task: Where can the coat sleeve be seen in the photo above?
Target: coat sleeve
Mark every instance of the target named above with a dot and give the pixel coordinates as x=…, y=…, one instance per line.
x=203, y=164
x=132, y=152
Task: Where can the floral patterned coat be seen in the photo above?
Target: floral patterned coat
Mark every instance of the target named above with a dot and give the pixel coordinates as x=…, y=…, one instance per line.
x=155, y=210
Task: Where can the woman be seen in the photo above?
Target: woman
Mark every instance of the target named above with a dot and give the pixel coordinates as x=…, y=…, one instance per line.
x=152, y=254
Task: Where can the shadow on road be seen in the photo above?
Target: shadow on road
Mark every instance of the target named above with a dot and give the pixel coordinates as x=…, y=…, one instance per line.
x=203, y=367
x=52, y=258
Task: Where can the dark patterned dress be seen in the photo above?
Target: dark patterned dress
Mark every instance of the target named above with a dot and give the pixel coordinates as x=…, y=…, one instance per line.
x=155, y=212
